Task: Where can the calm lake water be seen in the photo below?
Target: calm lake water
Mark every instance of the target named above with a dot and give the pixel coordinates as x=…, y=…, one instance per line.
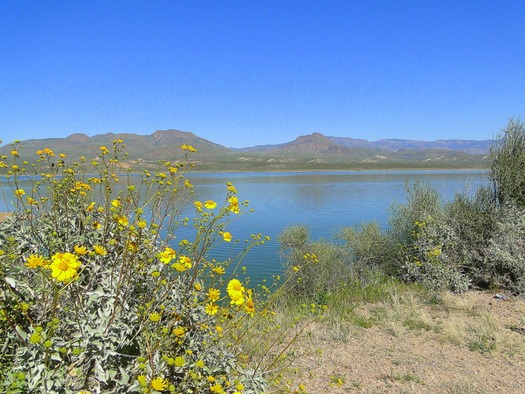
x=324, y=201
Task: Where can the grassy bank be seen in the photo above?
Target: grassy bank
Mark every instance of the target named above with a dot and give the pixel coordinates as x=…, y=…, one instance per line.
x=397, y=338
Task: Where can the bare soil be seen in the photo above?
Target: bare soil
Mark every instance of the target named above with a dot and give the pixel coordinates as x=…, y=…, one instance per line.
x=466, y=343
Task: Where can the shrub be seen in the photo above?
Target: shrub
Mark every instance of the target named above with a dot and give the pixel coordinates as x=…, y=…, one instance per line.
x=370, y=250
x=507, y=163
x=506, y=252
x=314, y=269
x=473, y=221
x=97, y=296
x=423, y=236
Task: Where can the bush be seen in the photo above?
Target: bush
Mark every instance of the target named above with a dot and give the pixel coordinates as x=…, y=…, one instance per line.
x=96, y=295
x=473, y=220
x=314, y=270
x=506, y=252
x=423, y=235
x=370, y=250
x=507, y=164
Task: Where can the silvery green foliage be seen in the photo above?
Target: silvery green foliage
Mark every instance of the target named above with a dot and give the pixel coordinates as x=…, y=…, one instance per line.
x=506, y=251
x=424, y=236
x=425, y=258
x=507, y=163
x=313, y=281
x=95, y=330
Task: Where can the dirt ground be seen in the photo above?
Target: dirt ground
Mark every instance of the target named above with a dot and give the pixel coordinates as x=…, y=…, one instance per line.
x=3, y=215
x=468, y=343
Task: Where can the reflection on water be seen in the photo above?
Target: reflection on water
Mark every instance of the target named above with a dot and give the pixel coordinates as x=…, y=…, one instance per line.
x=324, y=201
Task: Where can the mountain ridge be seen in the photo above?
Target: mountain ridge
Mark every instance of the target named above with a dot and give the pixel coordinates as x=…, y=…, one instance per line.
x=311, y=151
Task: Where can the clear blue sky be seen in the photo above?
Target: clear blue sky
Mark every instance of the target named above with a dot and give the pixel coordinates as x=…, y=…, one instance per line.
x=243, y=73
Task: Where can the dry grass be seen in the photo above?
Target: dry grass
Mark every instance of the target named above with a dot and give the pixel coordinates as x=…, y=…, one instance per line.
x=458, y=344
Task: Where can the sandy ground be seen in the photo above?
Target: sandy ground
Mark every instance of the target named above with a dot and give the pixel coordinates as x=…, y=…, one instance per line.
x=443, y=357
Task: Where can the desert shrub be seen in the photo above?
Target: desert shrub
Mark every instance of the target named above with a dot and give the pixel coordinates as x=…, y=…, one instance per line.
x=370, y=250
x=314, y=269
x=423, y=235
x=98, y=294
x=473, y=221
x=422, y=201
x=505, y=264
x=507, y=164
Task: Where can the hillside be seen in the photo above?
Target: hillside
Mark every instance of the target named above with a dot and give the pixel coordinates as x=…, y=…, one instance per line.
x=308, y=152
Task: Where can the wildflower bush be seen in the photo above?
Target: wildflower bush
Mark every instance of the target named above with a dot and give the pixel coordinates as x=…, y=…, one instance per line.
x=98, y=294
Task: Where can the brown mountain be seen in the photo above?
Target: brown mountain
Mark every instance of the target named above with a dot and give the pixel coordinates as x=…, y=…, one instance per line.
x=314, y=151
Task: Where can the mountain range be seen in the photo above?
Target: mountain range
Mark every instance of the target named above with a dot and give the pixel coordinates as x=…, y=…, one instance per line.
x=308, y=152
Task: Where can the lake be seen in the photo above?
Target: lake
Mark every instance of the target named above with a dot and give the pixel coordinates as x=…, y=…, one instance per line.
x=324, y=201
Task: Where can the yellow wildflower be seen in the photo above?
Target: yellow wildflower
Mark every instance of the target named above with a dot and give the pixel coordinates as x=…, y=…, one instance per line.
x=64, y=266
x=219, y=270
x=159, y=384
x=250, y=305
x=217, y=388
x=214, y=294
x=167, y=255
x=80, y=250
x=231, y=188
x=178, y=332
x=186, y=261
x=100, y=250
x=198, y=205
x=233, y=204
x=31, y=201
x=210, y=204
x=35, y=260
x=226, y=236
x=188, y=148
x=211, y=308
x=19, y=192
x=104, y=150
x=179, y=267
x=236, y=292
x=123, y=220
x=199, y=364
x=154, y=317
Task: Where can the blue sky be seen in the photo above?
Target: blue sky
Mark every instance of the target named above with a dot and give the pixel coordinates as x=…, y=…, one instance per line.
x=243, y=73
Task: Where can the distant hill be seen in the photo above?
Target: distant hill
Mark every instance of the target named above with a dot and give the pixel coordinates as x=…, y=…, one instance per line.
x=308, y=152
x=467, y=146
